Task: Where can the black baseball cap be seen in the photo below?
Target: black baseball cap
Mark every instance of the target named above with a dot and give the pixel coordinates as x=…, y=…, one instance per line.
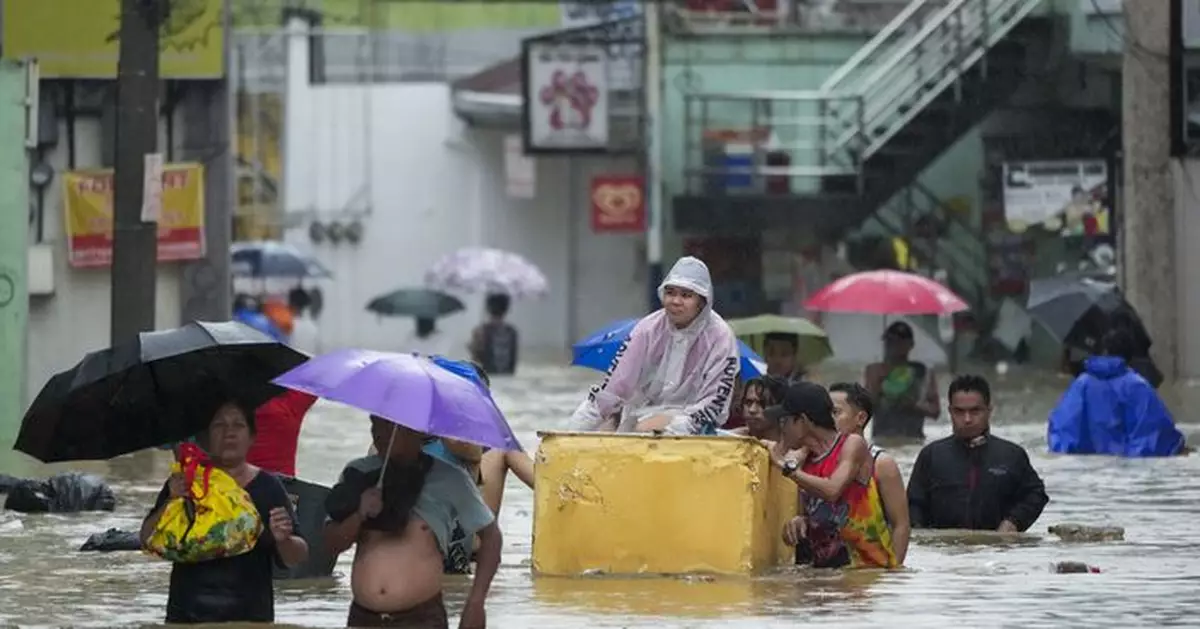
x=899, y=330
x=804, y=398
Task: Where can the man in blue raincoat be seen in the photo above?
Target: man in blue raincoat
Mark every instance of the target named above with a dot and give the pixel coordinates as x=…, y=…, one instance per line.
x=1111, y=409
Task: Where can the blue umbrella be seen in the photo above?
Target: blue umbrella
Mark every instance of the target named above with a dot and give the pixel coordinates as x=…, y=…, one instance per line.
x=263, y=259
x=597, y=350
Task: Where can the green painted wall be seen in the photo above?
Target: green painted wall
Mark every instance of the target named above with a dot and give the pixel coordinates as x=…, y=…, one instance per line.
x=419, y=16
x=14, y=299
x=728, y=64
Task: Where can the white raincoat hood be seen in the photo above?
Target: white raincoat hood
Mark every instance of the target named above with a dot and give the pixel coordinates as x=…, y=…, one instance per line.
x=691, y=274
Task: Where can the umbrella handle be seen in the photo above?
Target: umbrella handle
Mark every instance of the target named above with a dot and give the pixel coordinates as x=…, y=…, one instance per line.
x=383, y=469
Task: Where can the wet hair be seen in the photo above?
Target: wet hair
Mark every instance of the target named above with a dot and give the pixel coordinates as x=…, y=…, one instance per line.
x=426, y=326
x=764, y=392
x=783, y=337
x=1118, y=343
x=856, y=396
x=497, y=304
x=298, y=300
x=971, y=383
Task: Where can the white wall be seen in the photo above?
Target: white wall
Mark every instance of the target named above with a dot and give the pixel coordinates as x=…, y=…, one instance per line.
x=75, y=319
x=432, y=185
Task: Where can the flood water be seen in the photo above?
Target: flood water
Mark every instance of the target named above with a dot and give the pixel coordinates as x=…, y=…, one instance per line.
x=1150, y=579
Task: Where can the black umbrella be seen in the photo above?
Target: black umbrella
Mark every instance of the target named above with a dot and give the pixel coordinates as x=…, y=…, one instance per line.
x=269, y=259
x=421, y=303
x=161, y=388
x=1066, y=304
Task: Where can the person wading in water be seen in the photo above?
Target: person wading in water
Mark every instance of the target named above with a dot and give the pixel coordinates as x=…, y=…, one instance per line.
x=905, y=391
x=403, y=531
x=494, y=342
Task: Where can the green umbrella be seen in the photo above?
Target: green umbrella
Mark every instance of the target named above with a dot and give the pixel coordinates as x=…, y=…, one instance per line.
x=415, y=302
x=813, y=346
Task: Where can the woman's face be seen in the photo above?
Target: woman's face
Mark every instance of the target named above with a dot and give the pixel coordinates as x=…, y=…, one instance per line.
x=229, y=435
x=682, y=305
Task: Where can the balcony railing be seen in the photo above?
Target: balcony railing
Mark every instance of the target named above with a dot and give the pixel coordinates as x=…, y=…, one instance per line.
x=776, y=143
x=770, y=16
x=785, y=142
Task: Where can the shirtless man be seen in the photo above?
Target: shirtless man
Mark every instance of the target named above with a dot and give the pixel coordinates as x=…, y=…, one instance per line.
x=402, y=532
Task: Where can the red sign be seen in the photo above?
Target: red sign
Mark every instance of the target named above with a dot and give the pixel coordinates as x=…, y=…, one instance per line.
x=618, y=204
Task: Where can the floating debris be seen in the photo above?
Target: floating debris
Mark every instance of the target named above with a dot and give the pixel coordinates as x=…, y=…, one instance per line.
x=1085, y=533
x=1073, y=567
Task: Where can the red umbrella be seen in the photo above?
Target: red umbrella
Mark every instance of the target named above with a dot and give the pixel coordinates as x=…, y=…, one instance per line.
x=886, y=293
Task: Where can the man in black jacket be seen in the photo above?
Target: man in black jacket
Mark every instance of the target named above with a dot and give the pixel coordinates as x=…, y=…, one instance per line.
x=973, y=479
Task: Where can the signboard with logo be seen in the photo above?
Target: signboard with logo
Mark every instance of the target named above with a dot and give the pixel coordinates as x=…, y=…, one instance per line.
x=618, y=204
x=79, y=39
x=566, y=98
x=1068, y=197
x=88, y=205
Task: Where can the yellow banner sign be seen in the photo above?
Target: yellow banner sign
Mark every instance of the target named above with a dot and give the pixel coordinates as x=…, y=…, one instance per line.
x=78, y=39
x=88, y=204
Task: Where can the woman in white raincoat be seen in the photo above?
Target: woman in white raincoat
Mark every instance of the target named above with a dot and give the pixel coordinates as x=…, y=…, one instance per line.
x=677, y=370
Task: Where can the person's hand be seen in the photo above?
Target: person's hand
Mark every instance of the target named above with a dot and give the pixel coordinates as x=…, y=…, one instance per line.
x=177, y=485
x=473, y=615
x=795, y=530
x=1007, y=527
x=280, y=524
x=779, y=453
x=370, y=503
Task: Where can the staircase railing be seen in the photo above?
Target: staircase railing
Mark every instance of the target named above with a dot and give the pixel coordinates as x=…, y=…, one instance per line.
x=917, y=56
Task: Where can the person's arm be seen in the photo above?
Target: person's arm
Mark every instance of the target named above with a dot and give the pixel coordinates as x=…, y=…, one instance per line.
x=151, y=519
x=475, y=518
x=930, y=403
x=918, y=491
x=619, y=383
x=346, y=516
x=475, y=347
x=290, y=548
x=715, y=397
x=1031, y=495
x=521, y=465
x=871, y=380
x=895, y=504
x=854, y=453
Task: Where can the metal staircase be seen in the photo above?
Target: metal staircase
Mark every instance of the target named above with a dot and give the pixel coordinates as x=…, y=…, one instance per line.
x=831, y=158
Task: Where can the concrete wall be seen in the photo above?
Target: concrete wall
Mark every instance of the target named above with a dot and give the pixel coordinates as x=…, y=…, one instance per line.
x=424, y=185
x=1187, y=230
x=75, y=319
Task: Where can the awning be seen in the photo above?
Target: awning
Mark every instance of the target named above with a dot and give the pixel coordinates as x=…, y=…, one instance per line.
x=491, y=97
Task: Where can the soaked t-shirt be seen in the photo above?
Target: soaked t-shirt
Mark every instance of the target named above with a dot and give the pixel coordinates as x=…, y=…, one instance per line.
x=232, y=589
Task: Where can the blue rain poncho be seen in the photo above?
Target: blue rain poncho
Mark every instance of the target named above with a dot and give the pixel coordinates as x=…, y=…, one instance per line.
x=1110, y=409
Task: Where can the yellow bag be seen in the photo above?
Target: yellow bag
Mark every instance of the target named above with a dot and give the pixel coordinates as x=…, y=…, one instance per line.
x=218, y=519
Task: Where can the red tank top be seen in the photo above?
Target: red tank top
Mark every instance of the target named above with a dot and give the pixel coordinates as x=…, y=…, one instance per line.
x=277, y=424
x=851, y=532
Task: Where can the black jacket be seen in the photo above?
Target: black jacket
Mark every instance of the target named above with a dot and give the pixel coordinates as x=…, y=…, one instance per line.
x=954, y=486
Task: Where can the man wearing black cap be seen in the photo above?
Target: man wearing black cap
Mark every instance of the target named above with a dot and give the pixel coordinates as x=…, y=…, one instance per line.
x=905, y=391
x=842, y=519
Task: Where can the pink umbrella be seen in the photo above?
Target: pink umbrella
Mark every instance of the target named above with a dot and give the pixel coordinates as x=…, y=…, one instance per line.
x=886, y=293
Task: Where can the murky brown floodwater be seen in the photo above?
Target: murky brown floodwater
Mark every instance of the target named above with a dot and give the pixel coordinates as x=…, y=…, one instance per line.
x=1151, y=579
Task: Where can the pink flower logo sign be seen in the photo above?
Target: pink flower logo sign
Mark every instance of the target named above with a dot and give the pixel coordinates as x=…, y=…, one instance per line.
x=570, y=100
x=567, y=92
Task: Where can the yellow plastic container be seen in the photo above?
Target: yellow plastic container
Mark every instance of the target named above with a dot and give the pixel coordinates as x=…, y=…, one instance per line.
x=643, y=504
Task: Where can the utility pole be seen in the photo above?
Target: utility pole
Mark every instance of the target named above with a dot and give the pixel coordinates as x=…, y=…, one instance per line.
x=1148, y=212
x=135, y=243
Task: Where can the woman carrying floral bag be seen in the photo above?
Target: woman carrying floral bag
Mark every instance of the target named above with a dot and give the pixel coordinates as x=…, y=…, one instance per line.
x=224, y=524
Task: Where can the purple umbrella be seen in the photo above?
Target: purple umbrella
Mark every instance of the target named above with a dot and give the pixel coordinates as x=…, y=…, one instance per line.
x=407, y=389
